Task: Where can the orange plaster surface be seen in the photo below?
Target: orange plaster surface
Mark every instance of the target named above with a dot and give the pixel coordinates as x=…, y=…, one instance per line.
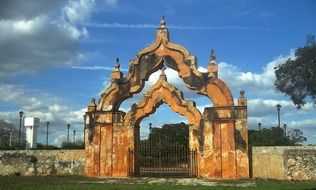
x=220, y=153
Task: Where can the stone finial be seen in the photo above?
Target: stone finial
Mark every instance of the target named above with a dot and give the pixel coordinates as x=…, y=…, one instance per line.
x=212, y=68
x=212, y=57
x=163, y=71
x=242, y=100
x=117, y=64
x=242, y=93
x=117, y=74
x=92, y=106
x=162, y=22
x=162, y=32
x=163, y=74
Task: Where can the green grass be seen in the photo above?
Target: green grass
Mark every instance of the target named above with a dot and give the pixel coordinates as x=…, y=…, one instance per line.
x=83, y=183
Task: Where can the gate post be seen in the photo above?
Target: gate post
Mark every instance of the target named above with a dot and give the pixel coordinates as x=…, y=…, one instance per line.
x=241, y=137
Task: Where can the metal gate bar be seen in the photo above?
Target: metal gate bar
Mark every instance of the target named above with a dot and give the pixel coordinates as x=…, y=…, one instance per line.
x=162, y=159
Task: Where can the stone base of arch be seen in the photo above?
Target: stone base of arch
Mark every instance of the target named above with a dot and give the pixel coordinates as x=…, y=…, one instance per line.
x=222, y=152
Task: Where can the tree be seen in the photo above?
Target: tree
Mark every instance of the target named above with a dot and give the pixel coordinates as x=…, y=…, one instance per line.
x=274, y=136
x=297, y=77
x=79, y=144
x=296, y=136
x=176, y=133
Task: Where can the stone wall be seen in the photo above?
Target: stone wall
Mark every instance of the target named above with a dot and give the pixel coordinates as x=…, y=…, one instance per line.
x=278, y=162
x=284, y=162
x=41, y=162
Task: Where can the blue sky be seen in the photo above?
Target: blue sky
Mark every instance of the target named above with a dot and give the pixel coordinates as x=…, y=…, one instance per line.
x=56, y=55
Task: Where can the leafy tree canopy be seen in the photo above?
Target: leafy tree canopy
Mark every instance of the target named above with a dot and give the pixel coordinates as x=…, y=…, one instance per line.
x=297, y=77
x=275, y=136
x=77, y=145
x=177, y=133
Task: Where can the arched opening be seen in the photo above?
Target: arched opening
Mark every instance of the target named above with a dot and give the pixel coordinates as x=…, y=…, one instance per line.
x=159, y=155
x=162, y=145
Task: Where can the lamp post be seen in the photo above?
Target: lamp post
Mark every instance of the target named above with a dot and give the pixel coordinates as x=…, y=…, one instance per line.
x=68, y=126
x=74, y=139
x=47, y=124
x=21, y=114
x=259, y=126
x=278, y=106
x=150, y=127
x=84, y=129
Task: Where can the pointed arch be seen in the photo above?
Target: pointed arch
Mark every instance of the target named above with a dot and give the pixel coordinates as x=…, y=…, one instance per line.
x=153, y=58
x=163, y=92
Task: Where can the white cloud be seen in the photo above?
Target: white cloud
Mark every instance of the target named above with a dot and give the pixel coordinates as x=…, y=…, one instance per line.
x=111, y=3
x=78, y=10
x=10, y=93
x=41, y=105
x=263, y=81
x=21, y=10
x=94, y=68
x=31, y=40
x=177, y=27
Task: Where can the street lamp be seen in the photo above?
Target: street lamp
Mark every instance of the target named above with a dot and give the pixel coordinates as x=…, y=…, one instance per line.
x=278, y=106
x=47, y=124
x=150, y=127
x=21, y=114
x=68, y=126
x=259, y=126
x=74, y=139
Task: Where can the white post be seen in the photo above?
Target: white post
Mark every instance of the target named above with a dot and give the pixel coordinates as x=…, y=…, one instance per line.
x=10, y=139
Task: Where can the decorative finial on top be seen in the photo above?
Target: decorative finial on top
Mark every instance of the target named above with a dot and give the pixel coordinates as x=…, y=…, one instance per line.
x=163, y=71
x=242, y=93
x=92, y=106
x=117, y=64
x=212, y=57
x=242, y=100
x=163, y=74
x=162, y=22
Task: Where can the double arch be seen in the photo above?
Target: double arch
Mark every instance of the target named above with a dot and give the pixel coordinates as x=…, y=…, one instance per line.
x=163, y=92
x=220, y=134
x=153, y=58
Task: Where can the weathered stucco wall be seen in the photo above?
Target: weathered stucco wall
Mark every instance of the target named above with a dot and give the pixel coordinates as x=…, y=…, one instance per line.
x=287, y=162
x=284, y=162
x=41, y=162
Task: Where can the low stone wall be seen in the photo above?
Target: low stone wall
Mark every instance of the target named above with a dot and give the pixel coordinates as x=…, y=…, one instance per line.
x=42, y=162
x=278, y=162
x=284, y=162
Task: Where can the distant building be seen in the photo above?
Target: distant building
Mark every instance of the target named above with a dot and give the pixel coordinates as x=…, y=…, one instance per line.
x=31, y=124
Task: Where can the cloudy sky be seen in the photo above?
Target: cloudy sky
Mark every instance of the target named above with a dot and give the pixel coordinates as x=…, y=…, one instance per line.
x=56, y=55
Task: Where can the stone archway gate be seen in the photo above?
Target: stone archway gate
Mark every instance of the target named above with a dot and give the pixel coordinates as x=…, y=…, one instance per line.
x=219, y=134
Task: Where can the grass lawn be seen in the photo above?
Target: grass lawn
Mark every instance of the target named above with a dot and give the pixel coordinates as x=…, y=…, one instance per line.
x=80, y=182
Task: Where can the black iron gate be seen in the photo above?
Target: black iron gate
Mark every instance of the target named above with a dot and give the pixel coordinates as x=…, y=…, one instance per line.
x=161, y=158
